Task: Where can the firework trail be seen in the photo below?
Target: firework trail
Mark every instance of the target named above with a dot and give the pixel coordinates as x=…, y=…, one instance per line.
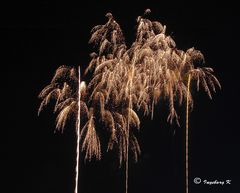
x=187, y=118
x=78, y=130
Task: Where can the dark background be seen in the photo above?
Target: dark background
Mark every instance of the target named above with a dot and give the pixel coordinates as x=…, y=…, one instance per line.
x=39, y=36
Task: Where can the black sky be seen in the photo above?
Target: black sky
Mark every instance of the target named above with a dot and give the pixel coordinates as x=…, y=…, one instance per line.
x=39, y=36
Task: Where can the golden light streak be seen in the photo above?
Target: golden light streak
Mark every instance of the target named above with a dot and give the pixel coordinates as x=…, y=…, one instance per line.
x=78, y=130
x=187, y=119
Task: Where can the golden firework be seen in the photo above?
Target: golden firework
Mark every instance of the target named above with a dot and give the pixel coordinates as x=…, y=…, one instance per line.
x=124, y=81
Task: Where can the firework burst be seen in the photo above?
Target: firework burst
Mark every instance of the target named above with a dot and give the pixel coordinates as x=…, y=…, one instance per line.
x=124, y=81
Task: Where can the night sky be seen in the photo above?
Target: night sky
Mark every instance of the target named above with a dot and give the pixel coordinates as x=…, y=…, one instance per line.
x=39, y=36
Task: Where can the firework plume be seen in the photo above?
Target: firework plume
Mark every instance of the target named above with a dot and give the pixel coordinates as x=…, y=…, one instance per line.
x=123, y=82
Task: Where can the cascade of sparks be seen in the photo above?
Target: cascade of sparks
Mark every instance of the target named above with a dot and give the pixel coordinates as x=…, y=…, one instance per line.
x=78, y=130
x=124, y=81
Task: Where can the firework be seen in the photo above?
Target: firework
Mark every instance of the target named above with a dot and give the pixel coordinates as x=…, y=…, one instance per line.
x=136, y=78
x=123, y=82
